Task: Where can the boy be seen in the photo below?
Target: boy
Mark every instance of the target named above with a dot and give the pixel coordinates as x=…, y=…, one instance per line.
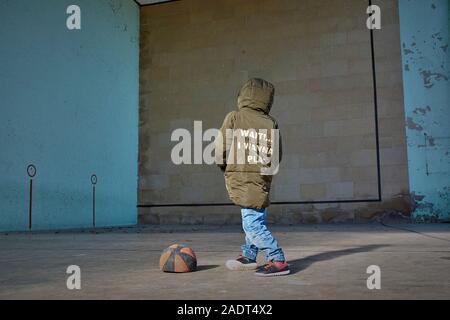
x=247, y=184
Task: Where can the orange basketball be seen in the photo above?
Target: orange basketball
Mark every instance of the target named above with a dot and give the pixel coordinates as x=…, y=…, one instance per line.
x=178, y=259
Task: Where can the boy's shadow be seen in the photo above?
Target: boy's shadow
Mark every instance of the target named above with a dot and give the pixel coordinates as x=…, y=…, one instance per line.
x=304, y=263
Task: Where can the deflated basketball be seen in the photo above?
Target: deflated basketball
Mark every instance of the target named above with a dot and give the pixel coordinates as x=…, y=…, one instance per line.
x=178, y=259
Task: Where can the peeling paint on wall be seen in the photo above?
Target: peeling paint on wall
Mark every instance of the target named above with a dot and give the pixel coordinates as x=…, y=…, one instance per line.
x=412, y=125
x=422, y=111
x=429, y=78
x=116, y=6
x=424, y=30
x=431, y=62
x=430, y=141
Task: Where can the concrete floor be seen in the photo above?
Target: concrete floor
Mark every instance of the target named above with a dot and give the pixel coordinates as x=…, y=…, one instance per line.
x=328, y=262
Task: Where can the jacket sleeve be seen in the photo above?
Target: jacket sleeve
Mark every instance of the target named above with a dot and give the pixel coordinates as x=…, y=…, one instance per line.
x=223, y=142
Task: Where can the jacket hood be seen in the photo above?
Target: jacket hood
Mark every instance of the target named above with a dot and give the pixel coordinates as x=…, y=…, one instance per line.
x=257, y=94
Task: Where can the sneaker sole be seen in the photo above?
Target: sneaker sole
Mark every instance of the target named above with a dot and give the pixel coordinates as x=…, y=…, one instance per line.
x=278, y=274
x=234, y=265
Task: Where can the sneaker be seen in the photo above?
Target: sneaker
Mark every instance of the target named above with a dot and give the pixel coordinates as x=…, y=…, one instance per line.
x=241, y=264
x=273, y=269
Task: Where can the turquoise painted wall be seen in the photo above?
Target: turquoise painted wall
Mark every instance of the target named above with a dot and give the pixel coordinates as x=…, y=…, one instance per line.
x=69, y=105
x=424, y=29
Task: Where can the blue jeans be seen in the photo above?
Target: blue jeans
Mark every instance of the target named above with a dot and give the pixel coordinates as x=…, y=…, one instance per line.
x=258, y=237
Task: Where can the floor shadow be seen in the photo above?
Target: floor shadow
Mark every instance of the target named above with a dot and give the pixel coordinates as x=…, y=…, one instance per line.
x=304, y=263
x=206, y=267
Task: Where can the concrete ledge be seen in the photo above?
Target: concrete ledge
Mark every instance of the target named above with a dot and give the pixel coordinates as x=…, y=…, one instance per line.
x=398, y=208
